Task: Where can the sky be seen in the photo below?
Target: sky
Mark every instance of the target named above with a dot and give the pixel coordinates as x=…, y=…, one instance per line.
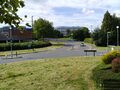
x=87, y=13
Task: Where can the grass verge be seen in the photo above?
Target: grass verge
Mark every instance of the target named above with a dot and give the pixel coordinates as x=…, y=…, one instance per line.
x=71, y=73
x=98, y=48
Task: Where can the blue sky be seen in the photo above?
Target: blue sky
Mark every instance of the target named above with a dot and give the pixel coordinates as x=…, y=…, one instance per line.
x=69, y=12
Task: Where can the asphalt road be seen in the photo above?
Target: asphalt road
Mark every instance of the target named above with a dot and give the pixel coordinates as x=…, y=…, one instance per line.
x=71, y=48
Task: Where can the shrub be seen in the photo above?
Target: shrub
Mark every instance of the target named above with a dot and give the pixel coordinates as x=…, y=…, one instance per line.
x=103, y=73
x=116, y=65
x=107, y=58
x=88, y=40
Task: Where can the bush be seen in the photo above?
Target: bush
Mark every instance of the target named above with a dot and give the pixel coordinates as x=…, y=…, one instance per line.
x=24, y=45
x=107, y=58
x=103, y=73
x=116, y=65
x=101, y=42
x=88, y=40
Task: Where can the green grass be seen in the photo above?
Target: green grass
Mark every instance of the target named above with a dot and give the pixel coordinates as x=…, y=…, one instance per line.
x=71, y=73
x=107, y=48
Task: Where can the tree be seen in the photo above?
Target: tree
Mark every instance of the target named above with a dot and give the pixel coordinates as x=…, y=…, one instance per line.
x=96, y=34
x=107, y=22
x=42, y=28
x=86, y=32
x=68, y=34
x=8, y=11
x=115, y=22
x=81, y=34
x=57, y=34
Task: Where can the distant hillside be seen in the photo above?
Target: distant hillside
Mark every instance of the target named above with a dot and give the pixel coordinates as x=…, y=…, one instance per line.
x=64, y=28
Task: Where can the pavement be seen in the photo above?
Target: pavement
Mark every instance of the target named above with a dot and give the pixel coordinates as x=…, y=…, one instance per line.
x=71, y=48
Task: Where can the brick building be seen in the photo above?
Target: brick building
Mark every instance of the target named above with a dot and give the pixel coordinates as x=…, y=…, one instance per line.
x=17, y=35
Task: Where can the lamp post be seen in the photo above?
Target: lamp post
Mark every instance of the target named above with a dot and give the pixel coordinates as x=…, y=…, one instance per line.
x=108, y=38
x=11, y=42
x=117, y=35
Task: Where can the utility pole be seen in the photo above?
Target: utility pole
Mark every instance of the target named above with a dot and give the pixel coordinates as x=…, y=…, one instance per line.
x=32, y=25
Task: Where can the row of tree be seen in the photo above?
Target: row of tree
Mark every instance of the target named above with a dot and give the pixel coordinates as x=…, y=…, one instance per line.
x=109, y=24
x=44, y=29
x=41, y=29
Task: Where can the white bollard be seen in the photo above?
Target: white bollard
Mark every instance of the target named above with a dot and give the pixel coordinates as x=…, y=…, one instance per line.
x=112, y=49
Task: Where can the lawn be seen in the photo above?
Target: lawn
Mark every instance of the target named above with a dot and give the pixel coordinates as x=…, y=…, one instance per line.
x=70, y=73
x=109, y=48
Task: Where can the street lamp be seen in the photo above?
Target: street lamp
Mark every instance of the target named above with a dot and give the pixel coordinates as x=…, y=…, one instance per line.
x=117, y=35
x=108, y=38
x=11, y=42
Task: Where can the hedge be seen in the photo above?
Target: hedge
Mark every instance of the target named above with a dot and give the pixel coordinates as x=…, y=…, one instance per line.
x=23, y=45
x=103, y=73
x=88, y=40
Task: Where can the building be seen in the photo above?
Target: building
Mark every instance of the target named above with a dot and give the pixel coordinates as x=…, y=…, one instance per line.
x=63, y=29
x=15, y=34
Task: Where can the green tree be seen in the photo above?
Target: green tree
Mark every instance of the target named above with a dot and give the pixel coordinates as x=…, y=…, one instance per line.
x=107, y=22
x=81, y=34
x=96, y=34
x=68, y=34
x=115, y=22
x=8, y=11
x=57, y=34
x=42, y=28
x=86, y=32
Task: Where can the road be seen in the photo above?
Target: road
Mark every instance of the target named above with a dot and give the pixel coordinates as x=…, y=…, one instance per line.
x=71, y=48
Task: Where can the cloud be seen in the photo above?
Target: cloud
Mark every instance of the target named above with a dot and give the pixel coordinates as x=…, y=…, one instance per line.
x=117, y=12
x=69, y=12
x=87, y=11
